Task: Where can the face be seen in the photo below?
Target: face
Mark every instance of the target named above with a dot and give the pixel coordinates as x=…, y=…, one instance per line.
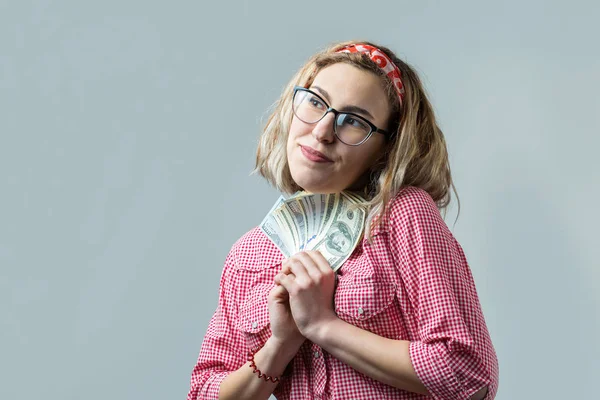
x=339, y=240
x=338, y=166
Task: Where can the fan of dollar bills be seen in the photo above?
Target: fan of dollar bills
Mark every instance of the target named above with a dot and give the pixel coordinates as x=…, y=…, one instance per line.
x=330, y=223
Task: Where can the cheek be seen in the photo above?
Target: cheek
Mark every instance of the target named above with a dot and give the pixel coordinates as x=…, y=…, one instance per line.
x=296, y=130
x=359, y=161
x=375, y=152
x=290, y=145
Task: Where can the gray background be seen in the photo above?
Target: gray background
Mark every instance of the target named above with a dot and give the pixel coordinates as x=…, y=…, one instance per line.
x=128, y=133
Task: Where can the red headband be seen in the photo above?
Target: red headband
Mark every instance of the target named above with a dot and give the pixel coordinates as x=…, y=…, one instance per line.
x=382, y=61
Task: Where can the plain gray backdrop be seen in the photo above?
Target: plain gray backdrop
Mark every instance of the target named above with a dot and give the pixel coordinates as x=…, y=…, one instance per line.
x=129, y=131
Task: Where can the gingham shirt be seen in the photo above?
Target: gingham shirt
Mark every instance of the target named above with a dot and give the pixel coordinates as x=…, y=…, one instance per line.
x=412, y=283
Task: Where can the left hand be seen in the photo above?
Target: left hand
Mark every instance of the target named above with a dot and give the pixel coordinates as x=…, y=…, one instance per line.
x=310, y=282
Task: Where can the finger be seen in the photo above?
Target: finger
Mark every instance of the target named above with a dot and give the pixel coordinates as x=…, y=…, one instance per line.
x=288, y=282
x=297, y=268
x=285, y=267
x=320, y=261
x=279, y=292
x=310, y=265
x=277, y=278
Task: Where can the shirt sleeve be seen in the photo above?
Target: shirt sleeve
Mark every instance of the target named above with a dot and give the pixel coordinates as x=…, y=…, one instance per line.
x=452, y=354
x=223, y=348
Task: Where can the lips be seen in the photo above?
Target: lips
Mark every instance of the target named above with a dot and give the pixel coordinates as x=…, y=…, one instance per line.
x=314, y=155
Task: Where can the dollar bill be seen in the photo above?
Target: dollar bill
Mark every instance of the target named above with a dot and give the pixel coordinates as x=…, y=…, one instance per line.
x=342, y=234
x=330, y=223
x=291, y=210
x=270, y=227
x=313, y=211
x=289, y=229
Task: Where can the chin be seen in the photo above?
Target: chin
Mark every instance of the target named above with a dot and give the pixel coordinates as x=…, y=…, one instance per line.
x=315, y=180
x=316, y=186
x=308, y=183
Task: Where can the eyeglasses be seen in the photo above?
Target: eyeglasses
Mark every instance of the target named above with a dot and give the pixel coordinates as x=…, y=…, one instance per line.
x=349, y=128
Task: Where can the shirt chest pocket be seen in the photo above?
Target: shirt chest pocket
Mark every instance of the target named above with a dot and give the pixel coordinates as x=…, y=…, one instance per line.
x=366, y=305
x=253, y=319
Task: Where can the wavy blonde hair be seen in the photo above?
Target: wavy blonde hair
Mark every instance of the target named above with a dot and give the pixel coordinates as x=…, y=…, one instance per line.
x=416, y=155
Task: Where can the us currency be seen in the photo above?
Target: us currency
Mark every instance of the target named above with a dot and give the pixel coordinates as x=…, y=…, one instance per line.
x=291, y=211
x=330, y=223
x=355, y=197
x=320, y=207
x=288, y=228
x=307, y=206
x=270, y=227
x=307, y=212
x=341, y=234
x=331, y=202
x=312, y=206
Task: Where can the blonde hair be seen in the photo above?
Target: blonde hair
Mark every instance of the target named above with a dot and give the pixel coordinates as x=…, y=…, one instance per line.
x=416, y=155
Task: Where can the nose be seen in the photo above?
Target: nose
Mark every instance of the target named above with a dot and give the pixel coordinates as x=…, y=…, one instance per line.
x=323, y=130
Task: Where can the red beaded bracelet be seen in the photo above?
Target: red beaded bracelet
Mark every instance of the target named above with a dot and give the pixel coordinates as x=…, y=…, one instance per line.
x=267, y=378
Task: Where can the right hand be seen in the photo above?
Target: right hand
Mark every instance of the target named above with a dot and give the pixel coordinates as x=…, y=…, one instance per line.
x=283, y=326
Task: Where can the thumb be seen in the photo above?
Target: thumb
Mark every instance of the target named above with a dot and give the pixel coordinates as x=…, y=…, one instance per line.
x=279, y=293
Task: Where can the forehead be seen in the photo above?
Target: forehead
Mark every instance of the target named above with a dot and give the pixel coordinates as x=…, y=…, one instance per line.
x=347, y=85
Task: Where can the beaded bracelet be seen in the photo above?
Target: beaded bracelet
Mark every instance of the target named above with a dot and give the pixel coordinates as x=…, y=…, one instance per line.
x=266, y=377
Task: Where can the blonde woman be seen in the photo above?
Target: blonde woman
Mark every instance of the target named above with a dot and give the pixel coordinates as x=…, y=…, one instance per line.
x=401, y=318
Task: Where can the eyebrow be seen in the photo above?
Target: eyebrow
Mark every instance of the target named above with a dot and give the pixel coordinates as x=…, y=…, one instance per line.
x=349, y=108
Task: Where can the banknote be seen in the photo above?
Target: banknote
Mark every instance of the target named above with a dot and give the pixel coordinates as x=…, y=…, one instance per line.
x=342, y=233
x=271, y=228
x=331, y=223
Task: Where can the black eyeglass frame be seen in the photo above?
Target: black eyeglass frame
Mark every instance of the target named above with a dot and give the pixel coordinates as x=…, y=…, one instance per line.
x=335, y=114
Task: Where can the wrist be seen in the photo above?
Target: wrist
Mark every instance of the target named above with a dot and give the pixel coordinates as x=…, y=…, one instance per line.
x=271, y=362
x=285, y=350
x=321, y=331
x=256, y=370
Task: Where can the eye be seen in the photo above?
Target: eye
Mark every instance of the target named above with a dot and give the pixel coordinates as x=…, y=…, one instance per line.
x=316, y=102
x=355, y=122
x=352, y=121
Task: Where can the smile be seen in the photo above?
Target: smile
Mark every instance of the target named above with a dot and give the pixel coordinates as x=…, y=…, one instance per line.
x=314, y=155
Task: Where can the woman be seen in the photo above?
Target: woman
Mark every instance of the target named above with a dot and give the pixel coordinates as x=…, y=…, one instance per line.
x=401, y=318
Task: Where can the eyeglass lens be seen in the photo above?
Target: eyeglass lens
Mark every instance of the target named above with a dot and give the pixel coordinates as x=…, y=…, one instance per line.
x=349, y=128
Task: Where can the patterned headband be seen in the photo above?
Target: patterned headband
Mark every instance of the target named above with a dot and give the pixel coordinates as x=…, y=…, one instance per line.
x=382, y=61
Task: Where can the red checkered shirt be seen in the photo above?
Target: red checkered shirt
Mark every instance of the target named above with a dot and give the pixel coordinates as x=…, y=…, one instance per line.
x=412, y=283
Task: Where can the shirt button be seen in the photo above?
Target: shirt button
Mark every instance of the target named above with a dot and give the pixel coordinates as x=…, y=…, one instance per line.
x=317, y=354
x=361, y=311
x=254, y=325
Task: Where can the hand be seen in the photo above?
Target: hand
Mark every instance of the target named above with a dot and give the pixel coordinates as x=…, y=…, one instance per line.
x=310, y=282
x=283, y=328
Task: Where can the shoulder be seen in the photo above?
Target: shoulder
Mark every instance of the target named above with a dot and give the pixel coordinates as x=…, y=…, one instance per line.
x=254, y=250
x=416, y=231
x=412, y=199
x=411, y=206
